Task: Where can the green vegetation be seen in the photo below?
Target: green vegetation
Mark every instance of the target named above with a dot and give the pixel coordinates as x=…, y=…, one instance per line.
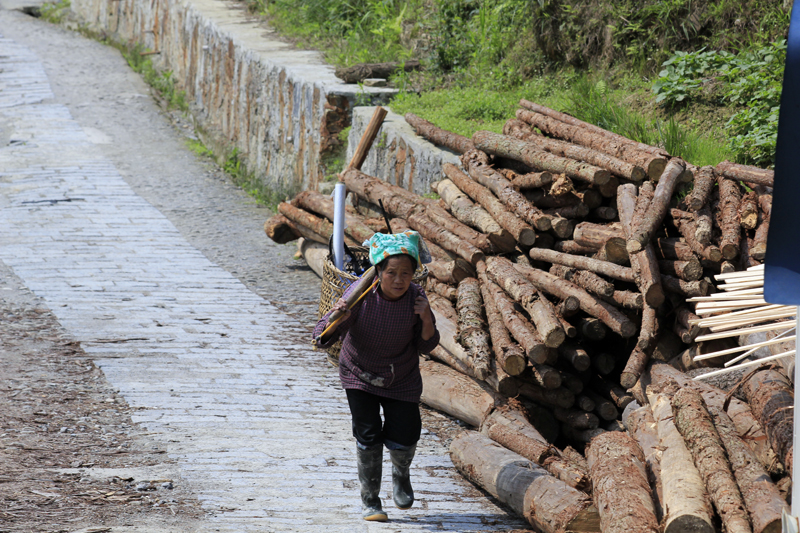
x=162, y=81
x=716, y=64
x=54, y=12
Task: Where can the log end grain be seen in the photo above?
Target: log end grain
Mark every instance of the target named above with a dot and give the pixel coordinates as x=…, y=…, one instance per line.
x=656, y=167
x=527, y=237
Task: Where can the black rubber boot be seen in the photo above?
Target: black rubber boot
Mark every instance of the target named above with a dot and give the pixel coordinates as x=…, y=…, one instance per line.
x=370, y=463
x=402, y=492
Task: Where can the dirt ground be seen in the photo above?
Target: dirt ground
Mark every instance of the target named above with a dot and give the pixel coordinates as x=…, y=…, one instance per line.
x=70, y=457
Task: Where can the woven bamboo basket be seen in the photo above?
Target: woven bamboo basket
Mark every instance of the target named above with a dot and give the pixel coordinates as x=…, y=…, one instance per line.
x=335, y=282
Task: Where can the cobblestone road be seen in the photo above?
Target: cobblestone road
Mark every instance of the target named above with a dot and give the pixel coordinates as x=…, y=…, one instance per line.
x=160, y=268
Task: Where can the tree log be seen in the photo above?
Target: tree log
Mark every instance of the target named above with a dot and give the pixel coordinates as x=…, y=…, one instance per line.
x=759, y=249
x=520, y=230
x=685, y=270
x=616, y=166
x=728, y=218
x=608, y=390
x=704, y=181
x=688, y=289
x=674, y=250
x=589, y=281
x=518, y=326
x=684, y=328
x=626, y=299
x=451, y=141
x=442, y=289
x=608, y=238
x=761, y=497
x=592, y=328
x=620, y=488
x=748, y=210
x=605, y=268
x=604, y=363
x=771, y=397
x=686, y=226
x=575, y=386
x=502, y=272
x=547, y=503
x=575, y=418
x=560, y=397
x=448, y=390
x=575, y=355
x=530, y=180
x=704, y=225
x=472, y=330
x=653, y=164
x=748, y=174
x=695, y=424
x=318, y=203
x=502, y=145
x=603, y=407
x=642, y=427
x=571, y=247
x=611, y=317
x=507, y=353
x=657, y=209
x=685, y=503
x=498, y=380
x=569, y=473
x=474, y=215
x=644, y=263
x=361, y=71
x=278, y=229
x=543, y=375
x=308, y=225
x=510, y=427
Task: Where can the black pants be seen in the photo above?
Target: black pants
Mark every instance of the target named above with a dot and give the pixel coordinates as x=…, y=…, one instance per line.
x=401, y=426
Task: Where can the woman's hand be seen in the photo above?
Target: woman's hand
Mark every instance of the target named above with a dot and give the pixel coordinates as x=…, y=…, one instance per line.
x=423, y=309
x=341, y=306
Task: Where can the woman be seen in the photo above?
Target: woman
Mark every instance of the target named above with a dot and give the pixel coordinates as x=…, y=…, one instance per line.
x=379, y=366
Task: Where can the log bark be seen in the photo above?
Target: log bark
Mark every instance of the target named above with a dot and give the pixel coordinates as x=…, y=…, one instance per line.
x=764, y=199
x=616, y=166
x=519, y=327
x=688, y=229
x=746, y=173
x=620, y=488
x=685, y=502
x=584, y=279
x=360, y=155
x=572, y=383
x=474, y=215
x=608, y=390
x=318, y=203
x=361, y=71
x=560, y=397
x=498, y=380
x=452, y=392
x=510, y=427
x=502, y=145
x=604, y=213
x=644, y=263
x=695, y=424
x=761, y=497
x=450, y=272
x=442, y=289
x=673, y=249
x=642, y=427
x=704, y=181
x=748, y=210
x=688, y=289
x=771, y=397
x=507, y=353
x=608, y=238
x=627, y=300
x=604, y=408
x=576, y=418
x=278, y=229
x=604, y=268
x=505, y=192
x=472, y=329
x=530, y=180
x=451, y=141
x=575, y=356
x=641, y=234
x=520, y=230
x=653, y=164
x=611, y=317
x=543, y=375
x=704, y=226
x=685, y=270
x=569, y=473
x=759, y=249
x=590, y=198
x=728, y=218
x=572, y=247
x=592, y=329
x=502, y=272
x=547, y=503
x=684, y=328
x=308, y=225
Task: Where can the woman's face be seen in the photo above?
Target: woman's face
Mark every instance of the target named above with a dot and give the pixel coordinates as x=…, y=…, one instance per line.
x=396, y=277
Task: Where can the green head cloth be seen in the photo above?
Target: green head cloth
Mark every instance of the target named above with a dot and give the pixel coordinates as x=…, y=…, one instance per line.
x=382, y=246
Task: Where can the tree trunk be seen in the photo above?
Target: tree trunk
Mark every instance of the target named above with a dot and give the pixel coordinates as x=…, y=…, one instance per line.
x=641, y=234
x=560, y=397
x=441, y=217
x=642, y=427
x=474, y=215
x=653, y=164
x=605, y=268
x=674, y=250
x=728, y=218
x=511, y=428
x=704, y=181
x=543, y=375
x=686, y=330
x=685, y=270
x=451, y=141
x=442, y=289
x=644, y=263
x=759, y=249
x=611, y=317
x=627, y=300
x=748, y=174
x=507, y=353
x=605, y=409
x=530, y=180
x=771, y=397
x=609, y=238
x=694, y=423
x=310, y=226
x=575, y=356
x=685, y=502
x=505, y=192
x=449, y=391
x=572, y=247
x=569, y=473
x=361, y=71
x=704, y=226
x=748, y=210
x=323, y=205
x=620, y=488
x=523, y=291
x=764, y=503
x=686, y=226
x=687, y=289
x=520, y=230
x=472, y=332
x=604, y=213
x=518, y=326
x=608, y=390
x=450, y=272
x=575, y=418
x=572, y=383
x=616, y=166
x=278, y=229
x=548, y=504
x=502, y=145
x=499, y=382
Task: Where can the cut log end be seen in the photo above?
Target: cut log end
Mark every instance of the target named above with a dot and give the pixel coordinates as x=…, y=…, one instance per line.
x=656, y=168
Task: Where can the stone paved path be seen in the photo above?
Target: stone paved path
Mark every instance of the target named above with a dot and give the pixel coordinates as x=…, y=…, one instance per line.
x=222, y=378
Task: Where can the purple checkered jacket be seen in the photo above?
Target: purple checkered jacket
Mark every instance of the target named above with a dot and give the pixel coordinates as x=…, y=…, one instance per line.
x=381, y=345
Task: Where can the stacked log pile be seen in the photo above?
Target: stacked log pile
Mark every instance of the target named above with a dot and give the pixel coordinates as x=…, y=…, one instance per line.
x=564, y=255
